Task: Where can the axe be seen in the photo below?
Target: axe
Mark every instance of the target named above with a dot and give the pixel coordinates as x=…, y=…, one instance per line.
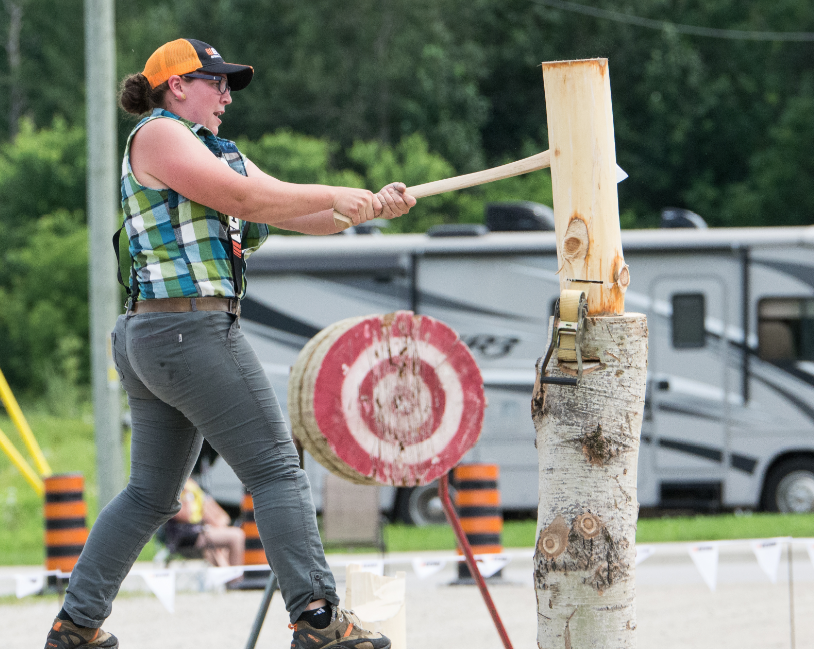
x=517, y=168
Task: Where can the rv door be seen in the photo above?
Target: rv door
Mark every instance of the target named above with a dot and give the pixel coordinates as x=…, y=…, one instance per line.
x=688, y=374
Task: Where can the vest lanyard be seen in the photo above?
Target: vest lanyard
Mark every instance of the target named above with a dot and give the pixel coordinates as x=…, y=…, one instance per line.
x=236, y=255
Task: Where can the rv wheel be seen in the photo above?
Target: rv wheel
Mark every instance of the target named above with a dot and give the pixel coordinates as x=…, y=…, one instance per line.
x=790, y=486
x=420, y=506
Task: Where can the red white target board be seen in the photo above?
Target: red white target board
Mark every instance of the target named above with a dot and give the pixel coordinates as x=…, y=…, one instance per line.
x=391, y=399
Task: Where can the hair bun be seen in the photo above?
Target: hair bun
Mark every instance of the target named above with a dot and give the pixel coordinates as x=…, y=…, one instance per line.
x=137, y=97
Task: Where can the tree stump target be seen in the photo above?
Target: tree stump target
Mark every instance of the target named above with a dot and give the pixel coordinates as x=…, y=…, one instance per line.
x=391, y=399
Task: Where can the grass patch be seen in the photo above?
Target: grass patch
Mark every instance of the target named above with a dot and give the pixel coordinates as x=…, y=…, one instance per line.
x=69, y=447
x=724, y=527
x=521, y=534
x=406, y=538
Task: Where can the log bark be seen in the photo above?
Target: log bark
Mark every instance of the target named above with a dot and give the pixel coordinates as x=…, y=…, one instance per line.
x=588, y=446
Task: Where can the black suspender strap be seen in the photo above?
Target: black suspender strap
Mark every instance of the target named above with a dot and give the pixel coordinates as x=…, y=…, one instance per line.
x=116, y=238
x=132, y=296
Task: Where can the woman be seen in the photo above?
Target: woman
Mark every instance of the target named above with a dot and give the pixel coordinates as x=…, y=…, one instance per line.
x=181, y=356
x=204, y=525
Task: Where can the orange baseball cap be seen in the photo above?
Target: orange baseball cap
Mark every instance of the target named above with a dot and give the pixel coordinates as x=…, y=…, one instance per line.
x=187, y=55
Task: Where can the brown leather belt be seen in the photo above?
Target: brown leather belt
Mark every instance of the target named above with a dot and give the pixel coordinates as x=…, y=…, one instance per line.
x=187, y=304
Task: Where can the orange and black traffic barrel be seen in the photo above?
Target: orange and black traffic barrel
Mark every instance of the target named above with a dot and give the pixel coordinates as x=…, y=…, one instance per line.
x=477, y=501
x=65, y=514
x=255, y=555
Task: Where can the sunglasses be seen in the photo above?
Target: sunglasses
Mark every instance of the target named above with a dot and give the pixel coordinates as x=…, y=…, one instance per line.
x=223, y=83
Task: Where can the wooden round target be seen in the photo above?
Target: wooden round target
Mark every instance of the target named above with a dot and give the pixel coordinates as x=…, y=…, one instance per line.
x=394, y=399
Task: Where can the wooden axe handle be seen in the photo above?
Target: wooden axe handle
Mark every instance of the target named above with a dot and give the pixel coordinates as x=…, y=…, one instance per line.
x=517, y=168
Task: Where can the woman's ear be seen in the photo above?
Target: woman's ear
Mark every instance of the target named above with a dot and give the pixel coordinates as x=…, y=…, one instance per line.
x=176, y=87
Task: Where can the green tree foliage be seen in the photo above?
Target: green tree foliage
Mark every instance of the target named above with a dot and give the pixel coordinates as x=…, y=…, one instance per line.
x=41, y=171
x=410, y=162
x=694, y=116
x=297, y=158
x=44, y=314
x=697, y=119
x=781, y=192
x=43, y=258
x=356, y=70
x=48, y=80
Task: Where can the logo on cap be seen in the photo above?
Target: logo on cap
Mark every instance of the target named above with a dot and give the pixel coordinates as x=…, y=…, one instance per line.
x=213, y=53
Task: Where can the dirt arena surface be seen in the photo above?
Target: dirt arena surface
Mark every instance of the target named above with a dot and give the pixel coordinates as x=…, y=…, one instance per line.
x=675, y=608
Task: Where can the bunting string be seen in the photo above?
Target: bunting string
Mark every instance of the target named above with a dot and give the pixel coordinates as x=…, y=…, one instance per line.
x=162, y=581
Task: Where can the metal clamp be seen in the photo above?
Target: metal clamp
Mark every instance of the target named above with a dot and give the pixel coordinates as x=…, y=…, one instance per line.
x=575, y=328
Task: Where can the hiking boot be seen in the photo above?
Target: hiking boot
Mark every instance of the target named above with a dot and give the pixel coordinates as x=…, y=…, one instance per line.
x=344, y=631
x=66, y=635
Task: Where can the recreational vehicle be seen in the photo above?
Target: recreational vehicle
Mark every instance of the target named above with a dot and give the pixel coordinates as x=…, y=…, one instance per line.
x=729, y=415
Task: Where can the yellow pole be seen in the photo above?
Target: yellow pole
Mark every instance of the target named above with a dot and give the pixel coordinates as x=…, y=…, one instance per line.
x=19, y=461
x=17, y=417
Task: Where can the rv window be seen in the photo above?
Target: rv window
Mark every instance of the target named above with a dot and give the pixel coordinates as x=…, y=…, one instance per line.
x=689, y=312
x=786, y=329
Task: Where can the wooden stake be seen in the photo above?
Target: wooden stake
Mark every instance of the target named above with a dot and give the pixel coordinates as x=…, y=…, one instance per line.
x=583, y=176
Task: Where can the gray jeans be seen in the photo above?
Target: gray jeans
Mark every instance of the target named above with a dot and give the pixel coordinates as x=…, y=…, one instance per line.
x=190, y=376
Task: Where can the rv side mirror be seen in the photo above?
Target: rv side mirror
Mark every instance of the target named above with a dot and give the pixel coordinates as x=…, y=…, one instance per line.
x=519, y=216
x=457, y=230
x=373, y=227
x=675, y=217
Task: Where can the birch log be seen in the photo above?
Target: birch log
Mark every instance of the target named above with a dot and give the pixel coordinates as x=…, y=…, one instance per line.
x=588, y=436
x=588, y=448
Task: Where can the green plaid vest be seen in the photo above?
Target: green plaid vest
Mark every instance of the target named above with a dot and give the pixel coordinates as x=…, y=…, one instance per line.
x=180, y=248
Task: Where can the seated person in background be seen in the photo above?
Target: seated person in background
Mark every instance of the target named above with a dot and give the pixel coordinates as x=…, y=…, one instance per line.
x=203, y=524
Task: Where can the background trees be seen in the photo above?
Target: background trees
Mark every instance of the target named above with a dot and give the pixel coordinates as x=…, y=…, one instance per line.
x=705, y=123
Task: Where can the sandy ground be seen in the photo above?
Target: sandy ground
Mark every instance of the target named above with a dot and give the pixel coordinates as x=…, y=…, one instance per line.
x=675, y=609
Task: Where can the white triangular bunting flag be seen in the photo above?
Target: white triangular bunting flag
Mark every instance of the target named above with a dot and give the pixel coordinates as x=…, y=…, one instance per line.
x=488, y=566
x=162, y=583
x=387, y=600
x=426, y=567
x=376, y=566
x=28, y=584
x=644, y=552
x=705, y=558
x=221, y=575
x=767, y=552
x=621, y=174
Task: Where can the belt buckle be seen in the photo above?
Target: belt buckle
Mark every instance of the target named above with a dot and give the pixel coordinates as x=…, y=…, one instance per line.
x=235, y=306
